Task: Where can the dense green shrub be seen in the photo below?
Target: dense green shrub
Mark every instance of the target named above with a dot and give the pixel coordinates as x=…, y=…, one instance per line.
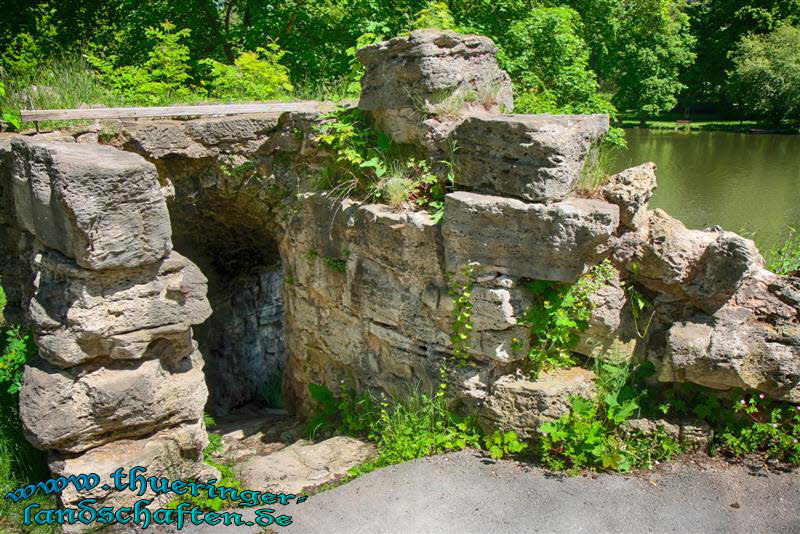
x=255, y=75
x=162, y=78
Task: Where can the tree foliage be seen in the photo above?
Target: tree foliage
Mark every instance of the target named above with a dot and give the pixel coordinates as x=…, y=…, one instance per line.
x=718, y=26
x=573, y=55
x=162, y=76
x=549, y=62
x=765, y=78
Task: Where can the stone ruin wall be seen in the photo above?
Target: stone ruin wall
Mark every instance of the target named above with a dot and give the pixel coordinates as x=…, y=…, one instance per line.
x=118, y=252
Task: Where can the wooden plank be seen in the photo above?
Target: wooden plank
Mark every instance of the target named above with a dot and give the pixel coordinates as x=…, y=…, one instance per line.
x=172, y=111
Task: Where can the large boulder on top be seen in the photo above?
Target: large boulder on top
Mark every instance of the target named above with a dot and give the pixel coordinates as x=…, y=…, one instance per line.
x=101, y=206
x=427, y=70
x=556, y=241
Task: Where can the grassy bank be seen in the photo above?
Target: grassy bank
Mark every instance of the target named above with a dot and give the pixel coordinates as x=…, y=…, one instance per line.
x=701, y=122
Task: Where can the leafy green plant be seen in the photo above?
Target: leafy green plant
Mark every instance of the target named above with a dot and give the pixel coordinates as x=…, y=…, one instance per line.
x=762, y=425
x=357, y=149
x=743, y=423
x=639, y=303
x=460, y=290
x=435, y=15
x=20, y=462
x=366, y=164
x=254, y=75
x=785, y=257
x=355, y=68
x=411, y=183
x=558, y=314
x=9, y=116
x=590, y=435
x=162, y=78
x=337, y=264
x=501, y=444
x=16, y=351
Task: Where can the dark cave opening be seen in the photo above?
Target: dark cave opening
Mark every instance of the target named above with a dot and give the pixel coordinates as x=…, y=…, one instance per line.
x=243, y=341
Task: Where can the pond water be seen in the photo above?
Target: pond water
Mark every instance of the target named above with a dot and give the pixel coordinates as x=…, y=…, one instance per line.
x=746, y=183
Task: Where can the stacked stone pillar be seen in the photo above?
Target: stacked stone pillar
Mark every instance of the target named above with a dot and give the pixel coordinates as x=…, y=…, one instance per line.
x=118, y=381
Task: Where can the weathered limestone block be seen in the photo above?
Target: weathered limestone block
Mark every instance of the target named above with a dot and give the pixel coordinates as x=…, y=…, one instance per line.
x=692, y=432
x=631, y=190
x=99, y=205
x=83, y=407
x=612, y=332
x=79, y=314
x=542, y=241
x=224, y=138
x=538, y=158
x=521, y=405
x=495, y=335
x=671, y=252
x=408, y=242
x=427, y=67
x=492, y=309
x=304, y=466
x=367, y=292
x=175, y=454
x=752, y=342
x=704, y=266
x=725, y=264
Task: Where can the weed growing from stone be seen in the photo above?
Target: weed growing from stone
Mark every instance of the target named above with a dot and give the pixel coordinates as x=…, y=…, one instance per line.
x=558, y=314
x=639, y=303
x=743, y=423
x=367, y=164
x=460, y=290
x=337, y=264
x=414, y=426
x=593, y=435
x=785, y=257
x=590, y=435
